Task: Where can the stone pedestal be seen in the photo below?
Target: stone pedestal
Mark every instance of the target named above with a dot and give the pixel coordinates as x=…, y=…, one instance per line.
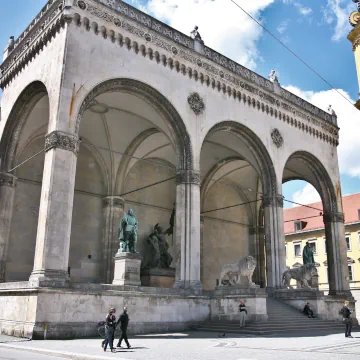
x=162, y=278
x=127, y=269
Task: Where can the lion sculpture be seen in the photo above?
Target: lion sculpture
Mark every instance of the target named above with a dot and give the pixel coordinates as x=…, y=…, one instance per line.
x=302, y=274
x=234, y=270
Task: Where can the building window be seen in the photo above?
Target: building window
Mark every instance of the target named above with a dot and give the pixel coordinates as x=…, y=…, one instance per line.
x=348, y=242
x=298, y=226
x=313, y=246
x=297, y=249
x=350, y=272
x=358, y=214
x=286, y=251
x=325, y=251
x=326, y=275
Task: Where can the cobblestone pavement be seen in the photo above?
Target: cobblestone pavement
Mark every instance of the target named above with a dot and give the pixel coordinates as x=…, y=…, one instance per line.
x=195, y=346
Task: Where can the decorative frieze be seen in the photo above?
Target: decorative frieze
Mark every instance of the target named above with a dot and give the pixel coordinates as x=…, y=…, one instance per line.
x=187, y=177
x=277, y=138
x=57, y=139
x=333, y=216
x=196, y=103
x=7, y=179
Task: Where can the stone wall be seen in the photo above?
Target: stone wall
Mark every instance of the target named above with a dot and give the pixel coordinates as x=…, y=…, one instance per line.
x=225, y=238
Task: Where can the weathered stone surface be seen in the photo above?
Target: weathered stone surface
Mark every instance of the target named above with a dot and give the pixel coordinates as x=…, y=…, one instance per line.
x=162, y=278
x=127, y=269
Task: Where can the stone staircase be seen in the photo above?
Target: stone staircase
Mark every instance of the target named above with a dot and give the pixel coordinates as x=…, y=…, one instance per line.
x=284, y=320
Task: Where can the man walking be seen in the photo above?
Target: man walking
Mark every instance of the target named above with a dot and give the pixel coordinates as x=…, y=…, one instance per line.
x=346, y=314
x=124, y=322
x=110, y=326
x=243, y=313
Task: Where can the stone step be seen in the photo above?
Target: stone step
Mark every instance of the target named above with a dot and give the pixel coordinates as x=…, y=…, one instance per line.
x=275, y=327
x=260, y=331
x=280, y=323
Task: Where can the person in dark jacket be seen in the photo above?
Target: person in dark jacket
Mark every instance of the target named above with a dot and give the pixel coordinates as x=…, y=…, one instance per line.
x=307, y=311
x=124, y=322
x=110, y=326
x=243, y=313
x=346, y=314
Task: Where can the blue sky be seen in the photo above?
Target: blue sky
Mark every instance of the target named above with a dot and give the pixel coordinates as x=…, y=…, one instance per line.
x=315, y=30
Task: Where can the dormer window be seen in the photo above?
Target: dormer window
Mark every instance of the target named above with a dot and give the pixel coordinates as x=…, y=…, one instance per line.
x=298, y=226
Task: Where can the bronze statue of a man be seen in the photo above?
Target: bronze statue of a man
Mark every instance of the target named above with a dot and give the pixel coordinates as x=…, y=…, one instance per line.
x=308, y=255
x=128, y=232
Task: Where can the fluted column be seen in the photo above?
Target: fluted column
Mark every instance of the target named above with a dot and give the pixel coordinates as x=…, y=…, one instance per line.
x=274, y=241
x=55, y=214
x=187, y=229
x=202, y=222
x=113, y=209
x=7, y=194
x=338, y=273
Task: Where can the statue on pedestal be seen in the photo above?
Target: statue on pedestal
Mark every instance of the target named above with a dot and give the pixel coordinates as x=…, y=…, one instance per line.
x=128, y=232
x=308, y=254
x=159, y=256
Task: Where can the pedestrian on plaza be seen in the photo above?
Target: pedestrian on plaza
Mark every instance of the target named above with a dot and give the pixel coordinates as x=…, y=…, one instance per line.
x=307, y=311
x=124, y=322
x=243, y=313
x=346, y=314
x=110, y=326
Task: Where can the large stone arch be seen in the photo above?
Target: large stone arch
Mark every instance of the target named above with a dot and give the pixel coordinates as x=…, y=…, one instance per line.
x=320, y=180
x=167, y=111
x=258, y=149
x=16, y=120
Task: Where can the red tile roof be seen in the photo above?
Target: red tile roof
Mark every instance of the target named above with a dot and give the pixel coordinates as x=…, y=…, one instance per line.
x=351, y=204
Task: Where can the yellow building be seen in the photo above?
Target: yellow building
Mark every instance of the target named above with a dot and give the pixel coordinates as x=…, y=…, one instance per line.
x=305, y=224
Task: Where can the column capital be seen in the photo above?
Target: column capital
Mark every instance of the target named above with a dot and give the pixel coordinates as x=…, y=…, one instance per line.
x=7, y=179
x=188, y=177
x=276, y=201
x=333, y=216
x=115, y=201
x=62, y=140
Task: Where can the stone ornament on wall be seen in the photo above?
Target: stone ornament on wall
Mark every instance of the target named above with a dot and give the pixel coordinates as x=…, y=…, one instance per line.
x=7, y=179
x=277, y=138
x=58, y=139
x=187, y=177
x=196, y=103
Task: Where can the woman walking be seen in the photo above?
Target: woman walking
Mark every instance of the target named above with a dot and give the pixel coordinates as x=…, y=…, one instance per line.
x=110, y=327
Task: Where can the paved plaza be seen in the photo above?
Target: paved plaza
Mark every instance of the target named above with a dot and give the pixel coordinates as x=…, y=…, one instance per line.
x=190, y=346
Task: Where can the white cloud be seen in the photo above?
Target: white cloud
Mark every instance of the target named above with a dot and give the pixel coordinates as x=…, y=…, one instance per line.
x=306, y=195
x=283, y=26
x=336, y=12
x=222, y=25
x=348, y=121
x=303, y=10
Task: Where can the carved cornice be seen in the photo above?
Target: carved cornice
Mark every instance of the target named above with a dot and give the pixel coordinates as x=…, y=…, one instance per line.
x=333, y=216
x=60, y=140
x=187, y=177
x=45, y=26
x=126, y=11
x=113, y=201
x=7, y=179
x=240, y=84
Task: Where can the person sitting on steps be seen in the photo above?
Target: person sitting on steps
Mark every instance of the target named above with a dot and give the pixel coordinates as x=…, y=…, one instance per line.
x=307, y=311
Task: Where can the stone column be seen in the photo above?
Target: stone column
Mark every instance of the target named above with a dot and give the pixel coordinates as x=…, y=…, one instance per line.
x=55, y=214
x=338, y=273
x=202, y=221
x=274, y=241
x=113, y=212
x=260, y=271
x=187, y=230
x=7, y=194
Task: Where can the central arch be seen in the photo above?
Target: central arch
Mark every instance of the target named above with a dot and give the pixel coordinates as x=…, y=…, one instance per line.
x=179, y=134
x=236, y=169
